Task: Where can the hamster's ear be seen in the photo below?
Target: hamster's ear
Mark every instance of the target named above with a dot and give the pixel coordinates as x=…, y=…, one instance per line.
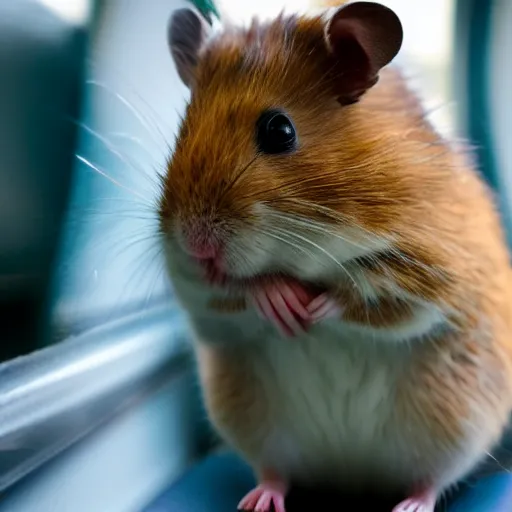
x=186, y=33
x=363, y=37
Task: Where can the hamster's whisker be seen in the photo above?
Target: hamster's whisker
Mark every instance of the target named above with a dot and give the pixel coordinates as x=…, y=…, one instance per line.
x=338, y=217
x=126, y=81
x=133, y=140
x=369, y=253
x=138, y=115
x=281, y=238
x=393, y=250
x=108, y=200
x=157, y=256
x=140, y=270
x=126, y=214
x=409, y=261
x=136, y=241
x=502, y=467
x=310, y=253
x=101, y=172
x=233, y=182
x=322, y=250
x=314, y=186
x=129, y=240
x=154, y=181
x=319, y=228
x=391, y=246
x=88, y=215
x=328, y=212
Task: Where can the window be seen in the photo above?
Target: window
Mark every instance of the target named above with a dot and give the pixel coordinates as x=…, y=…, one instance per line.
x=110, y=258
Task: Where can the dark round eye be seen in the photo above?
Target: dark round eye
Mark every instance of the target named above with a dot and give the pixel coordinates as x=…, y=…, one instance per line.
x=275, y=133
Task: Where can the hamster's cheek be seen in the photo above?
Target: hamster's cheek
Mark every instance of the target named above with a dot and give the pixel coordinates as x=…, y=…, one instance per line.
x=249, y=254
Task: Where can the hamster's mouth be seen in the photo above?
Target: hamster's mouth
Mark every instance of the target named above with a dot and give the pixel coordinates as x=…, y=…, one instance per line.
x=216, y=277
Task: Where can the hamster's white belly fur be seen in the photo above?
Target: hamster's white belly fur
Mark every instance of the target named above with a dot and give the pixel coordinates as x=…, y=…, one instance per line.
x=331, y=410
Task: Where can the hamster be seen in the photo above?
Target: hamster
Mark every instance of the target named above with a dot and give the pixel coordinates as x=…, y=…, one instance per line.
x=343, y=268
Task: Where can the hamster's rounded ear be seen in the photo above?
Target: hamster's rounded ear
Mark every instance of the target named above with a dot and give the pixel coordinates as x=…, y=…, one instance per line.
x=363, y=37
x=186, y=33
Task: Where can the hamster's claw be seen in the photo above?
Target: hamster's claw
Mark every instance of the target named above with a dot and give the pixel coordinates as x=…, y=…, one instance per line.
x=323, y=307
x=424, y=502
x=279, y=303
x=265, y=498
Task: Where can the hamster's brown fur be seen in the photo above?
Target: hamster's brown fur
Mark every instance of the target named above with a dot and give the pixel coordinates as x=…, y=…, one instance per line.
x=376, y=165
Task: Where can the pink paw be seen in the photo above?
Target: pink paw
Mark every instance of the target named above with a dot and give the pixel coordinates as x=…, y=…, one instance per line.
x=264, y=497
x=323, y=307
x=282, y=304
x=424, y=502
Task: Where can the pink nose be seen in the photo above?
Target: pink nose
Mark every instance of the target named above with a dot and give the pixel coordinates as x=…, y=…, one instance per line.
x=199, y=240
x=203, y=251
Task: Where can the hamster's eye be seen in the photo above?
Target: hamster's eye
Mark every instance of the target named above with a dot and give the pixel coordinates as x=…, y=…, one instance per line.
x=275, y=133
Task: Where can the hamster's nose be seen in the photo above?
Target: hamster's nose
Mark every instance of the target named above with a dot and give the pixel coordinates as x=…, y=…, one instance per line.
x=199, y=241
x=204, y=251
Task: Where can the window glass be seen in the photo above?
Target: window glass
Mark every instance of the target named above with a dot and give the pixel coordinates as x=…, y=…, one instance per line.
x=111, y=260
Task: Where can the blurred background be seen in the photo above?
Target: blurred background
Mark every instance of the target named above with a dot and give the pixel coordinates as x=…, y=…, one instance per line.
x=90, y=104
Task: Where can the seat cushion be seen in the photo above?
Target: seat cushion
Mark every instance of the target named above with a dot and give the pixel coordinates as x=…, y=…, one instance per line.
x=214, y=485
x=218, y=483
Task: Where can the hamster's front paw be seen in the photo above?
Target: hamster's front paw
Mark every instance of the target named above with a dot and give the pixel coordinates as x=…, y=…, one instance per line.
x=283, y=303
x=323, y=307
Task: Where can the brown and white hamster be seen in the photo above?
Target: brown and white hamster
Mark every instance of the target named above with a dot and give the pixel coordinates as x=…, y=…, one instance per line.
x=343, y=268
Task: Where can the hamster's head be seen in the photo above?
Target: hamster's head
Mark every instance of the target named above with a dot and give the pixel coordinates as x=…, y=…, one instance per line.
x=272, y=171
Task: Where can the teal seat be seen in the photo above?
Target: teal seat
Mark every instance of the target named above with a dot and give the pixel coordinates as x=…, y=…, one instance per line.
x=219, y=482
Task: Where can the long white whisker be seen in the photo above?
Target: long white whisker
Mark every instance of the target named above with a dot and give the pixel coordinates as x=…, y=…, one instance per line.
x=117, y=153
x=131, y=108
x=328, y=212
x=95, y=168
x=158, y=255
x=113, y=199
x=156, y=118
x=134, y=140
x=122, y=214
x=156, y=121
x=324, y=251
x=282, y=239
x=315, y=227
x=391, y=247
x=151, y=240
